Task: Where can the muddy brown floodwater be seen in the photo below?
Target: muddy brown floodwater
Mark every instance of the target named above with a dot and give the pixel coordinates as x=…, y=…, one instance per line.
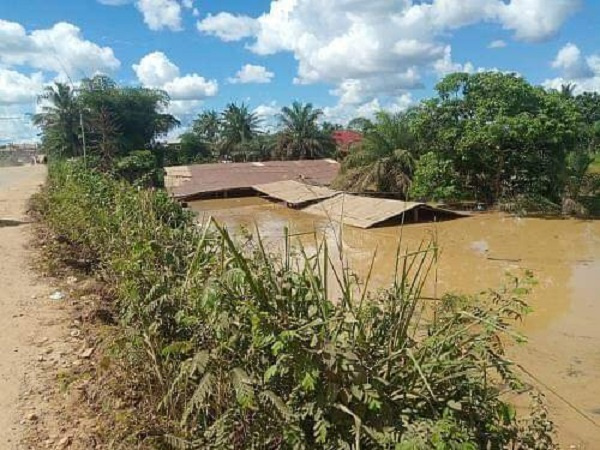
x=563, y=353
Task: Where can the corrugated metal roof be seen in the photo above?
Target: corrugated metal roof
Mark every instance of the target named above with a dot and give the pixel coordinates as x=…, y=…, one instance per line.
x=221, y=177
x=366, y=212
x=295, y=193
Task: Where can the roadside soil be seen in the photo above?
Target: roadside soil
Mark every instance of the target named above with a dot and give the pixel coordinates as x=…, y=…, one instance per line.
x=37, y=336
x=23, y=313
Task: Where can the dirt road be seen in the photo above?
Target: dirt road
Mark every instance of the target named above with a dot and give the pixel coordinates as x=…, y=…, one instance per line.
x=21, y=311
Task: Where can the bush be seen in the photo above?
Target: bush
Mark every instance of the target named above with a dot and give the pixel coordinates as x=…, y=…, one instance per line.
x=244, y=349
x=434, y=179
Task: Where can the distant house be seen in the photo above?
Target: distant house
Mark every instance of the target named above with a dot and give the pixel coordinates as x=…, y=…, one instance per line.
x=346, y=139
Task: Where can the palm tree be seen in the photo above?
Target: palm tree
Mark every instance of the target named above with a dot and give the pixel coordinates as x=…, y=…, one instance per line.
x=568, y=90
x=59, y=120
x=301, y=137
x=208, y=126
x=240, y=126
x=385, y=160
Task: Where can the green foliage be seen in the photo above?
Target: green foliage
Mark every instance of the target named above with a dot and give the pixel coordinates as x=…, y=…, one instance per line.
x=116, y=122
x=504, y=136
x=191, y=149
x=139, y=167
x=301, y=137
x=137, y=111
x=239, y=127
x=59, y=121
x=434, y=179
x=385, y=160
x=238, y=348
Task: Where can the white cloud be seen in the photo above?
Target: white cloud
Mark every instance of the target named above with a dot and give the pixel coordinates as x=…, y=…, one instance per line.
x=185, y=108
x=155, y=70
x=583, y=72
x=572, y=64
x=16, y=125
x=189, y=4
x=60, y=49
x=343, y=113
x=252, y=74
x=18, y=88
x=267, y=114
x=228, y=27
x=161, y=14
x=379, y=47
x=536, y=20
x=445, y=65
x=497, y=44
x=191, y=87
x=187, y=92
x=196, y=12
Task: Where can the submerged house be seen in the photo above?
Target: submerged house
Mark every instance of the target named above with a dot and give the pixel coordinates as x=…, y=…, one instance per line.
x=301, y=185
x=200, y=181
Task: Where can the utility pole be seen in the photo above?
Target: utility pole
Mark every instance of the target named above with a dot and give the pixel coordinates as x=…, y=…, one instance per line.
x=83, y=138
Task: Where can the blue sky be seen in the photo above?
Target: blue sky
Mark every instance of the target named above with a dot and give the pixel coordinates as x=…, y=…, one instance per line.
x=349, y=57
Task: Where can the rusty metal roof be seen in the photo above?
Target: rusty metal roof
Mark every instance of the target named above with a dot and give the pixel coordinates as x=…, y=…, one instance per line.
x=295, y=193
x=186, y=182
x=367, y=212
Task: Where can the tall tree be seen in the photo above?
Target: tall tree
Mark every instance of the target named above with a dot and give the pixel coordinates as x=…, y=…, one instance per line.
x=504, y=136
x=59, y=120
x=207, y=126
x=385, y=160
x=301, y=137
x=138, y=112
x=240, y=127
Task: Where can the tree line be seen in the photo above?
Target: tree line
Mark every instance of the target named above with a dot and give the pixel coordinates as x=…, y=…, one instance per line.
x=235, y=135
x=489, y=137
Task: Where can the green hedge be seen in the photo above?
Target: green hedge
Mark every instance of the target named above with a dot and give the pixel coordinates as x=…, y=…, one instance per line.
x=243, y=349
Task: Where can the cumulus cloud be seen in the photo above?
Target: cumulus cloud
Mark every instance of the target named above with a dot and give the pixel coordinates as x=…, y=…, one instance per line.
x=252, y=74
x=380, y=46
x=570, y=61
x=497, y=44
x=155, y=70
x=446, y=65
x=187, y=92
x=16, y=125
x=577, y=69
x=17, y=88
x=268, y=113
x=161, y=14
x=191, y=87
x=60, y=49
x=343, y=113
x=228, y=27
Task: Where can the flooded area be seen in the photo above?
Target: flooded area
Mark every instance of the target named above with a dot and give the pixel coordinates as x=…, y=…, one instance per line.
x=477, y=253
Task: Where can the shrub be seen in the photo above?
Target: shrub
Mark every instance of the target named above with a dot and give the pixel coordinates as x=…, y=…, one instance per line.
x=434, y=179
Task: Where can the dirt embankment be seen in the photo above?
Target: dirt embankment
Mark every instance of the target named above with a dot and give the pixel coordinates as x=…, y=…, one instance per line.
x=33, y=325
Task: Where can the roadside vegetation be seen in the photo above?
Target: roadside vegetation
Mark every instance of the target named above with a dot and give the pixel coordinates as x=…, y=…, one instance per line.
x=226, y=346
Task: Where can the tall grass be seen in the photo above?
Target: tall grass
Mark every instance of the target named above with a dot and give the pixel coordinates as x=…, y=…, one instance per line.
x=238, y=348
